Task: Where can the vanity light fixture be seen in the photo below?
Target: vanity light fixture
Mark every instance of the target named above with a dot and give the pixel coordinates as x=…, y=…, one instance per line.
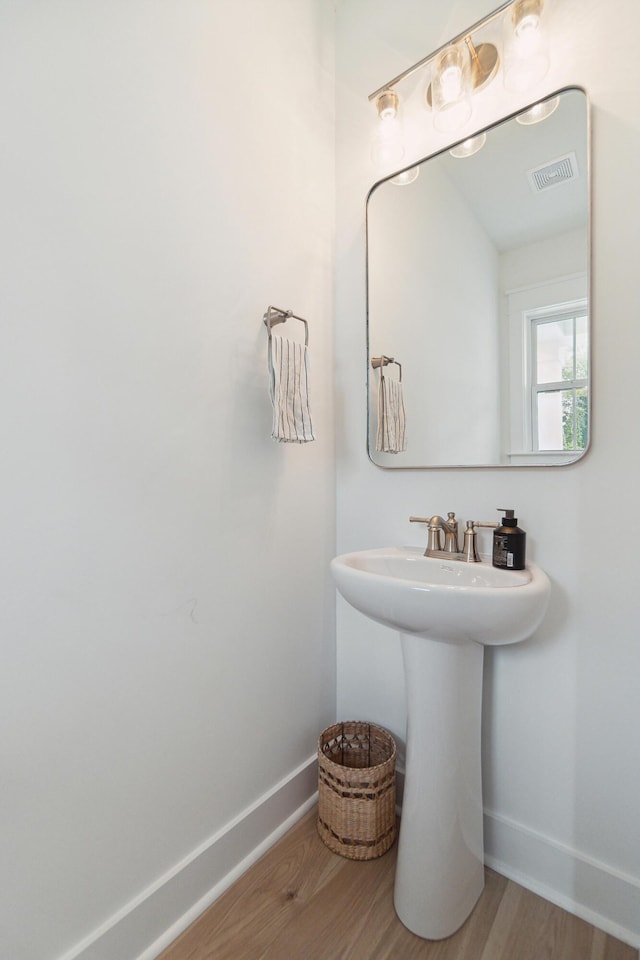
x=387, y=147
x=539, y=111
x=468, y=147
x=462, y=67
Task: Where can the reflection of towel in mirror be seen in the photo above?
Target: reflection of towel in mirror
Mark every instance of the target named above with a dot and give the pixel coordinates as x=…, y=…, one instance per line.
x=289, y=391
x=392, y=433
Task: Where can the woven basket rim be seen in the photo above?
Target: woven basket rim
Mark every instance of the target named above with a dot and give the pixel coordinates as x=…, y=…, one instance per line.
x=326, y=734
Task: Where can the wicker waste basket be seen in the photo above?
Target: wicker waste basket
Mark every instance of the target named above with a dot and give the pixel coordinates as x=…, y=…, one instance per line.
x=357, y=789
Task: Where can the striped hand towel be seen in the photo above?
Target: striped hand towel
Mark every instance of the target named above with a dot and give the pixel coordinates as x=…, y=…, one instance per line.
x=392, y=431
x=289, y=391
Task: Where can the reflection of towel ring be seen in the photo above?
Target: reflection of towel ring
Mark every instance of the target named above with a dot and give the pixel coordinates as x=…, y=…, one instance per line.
x=276, y=315
x=383, y=361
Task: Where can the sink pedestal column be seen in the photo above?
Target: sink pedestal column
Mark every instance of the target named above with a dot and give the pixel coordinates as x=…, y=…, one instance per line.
x=440, y=870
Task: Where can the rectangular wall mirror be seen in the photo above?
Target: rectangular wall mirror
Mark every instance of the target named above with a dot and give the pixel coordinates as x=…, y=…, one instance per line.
x=478, y=288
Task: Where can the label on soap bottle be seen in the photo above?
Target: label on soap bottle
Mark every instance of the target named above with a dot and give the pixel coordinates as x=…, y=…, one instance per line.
x=508, y=551
x=500, y=554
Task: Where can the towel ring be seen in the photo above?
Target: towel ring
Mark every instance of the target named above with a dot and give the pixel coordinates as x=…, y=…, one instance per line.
x=276, y=315
x=383, y=361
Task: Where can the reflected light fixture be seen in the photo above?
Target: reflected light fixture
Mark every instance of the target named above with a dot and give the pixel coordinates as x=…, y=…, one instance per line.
x=539, y=111
x=468, y=147
x=407, y=176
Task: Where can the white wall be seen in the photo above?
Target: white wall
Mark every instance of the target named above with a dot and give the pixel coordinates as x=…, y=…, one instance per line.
x=544, y=261
x=562, y=712
x=166, y=606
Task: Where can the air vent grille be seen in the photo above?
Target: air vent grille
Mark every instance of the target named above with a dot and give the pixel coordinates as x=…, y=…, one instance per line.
x=553, y=174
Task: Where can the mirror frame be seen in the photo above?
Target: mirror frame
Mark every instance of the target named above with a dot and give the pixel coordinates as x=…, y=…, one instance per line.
x=589, y=245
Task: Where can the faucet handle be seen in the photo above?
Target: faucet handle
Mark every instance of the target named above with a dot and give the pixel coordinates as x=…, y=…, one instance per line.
x=469, y=548
x=434, y=542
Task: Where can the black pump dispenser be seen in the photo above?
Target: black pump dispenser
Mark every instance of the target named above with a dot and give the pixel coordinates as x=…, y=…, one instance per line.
x=509, y=543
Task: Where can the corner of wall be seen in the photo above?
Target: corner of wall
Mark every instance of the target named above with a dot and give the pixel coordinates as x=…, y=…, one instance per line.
x=149, y=923
x=591, y=890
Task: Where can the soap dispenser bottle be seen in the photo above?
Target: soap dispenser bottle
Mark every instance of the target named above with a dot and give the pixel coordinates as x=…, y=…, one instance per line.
x=509, y=543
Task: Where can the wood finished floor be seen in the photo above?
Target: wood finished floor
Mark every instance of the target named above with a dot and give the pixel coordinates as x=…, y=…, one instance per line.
x=302, y=902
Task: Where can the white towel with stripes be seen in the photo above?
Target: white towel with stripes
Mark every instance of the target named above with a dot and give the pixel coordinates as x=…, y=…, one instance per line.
x=392, y=427
x=289, y=390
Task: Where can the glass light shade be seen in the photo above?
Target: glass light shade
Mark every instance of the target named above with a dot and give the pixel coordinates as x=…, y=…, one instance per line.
x=387, y=148
x=525, y=54
x=526, y=16
x=468, y=147
x=387, y=105
x=450, y=88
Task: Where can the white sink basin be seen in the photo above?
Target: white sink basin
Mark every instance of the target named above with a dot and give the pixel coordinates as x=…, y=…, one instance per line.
x=443, y=599
x=447, y=611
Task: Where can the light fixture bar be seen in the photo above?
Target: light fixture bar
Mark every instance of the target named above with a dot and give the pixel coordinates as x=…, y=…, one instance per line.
x=425, y=60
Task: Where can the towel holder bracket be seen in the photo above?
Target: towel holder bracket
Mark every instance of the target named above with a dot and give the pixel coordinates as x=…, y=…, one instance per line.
x=383, y=361
x=277, y=315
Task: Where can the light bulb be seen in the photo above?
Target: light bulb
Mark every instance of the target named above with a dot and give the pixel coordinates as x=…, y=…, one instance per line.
x=389, y=128
x=527, y=33
x=387, y=105
x=525, y=56
x=387, y=148
x=449, y=90
x=526, y=14
x=451, y=83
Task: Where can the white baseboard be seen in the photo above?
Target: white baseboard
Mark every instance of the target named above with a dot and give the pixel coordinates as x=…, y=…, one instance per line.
x=150, y=922
x=593, y=891
x=585, y=887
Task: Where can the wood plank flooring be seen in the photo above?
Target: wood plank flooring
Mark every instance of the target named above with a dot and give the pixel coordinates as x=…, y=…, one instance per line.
x=302, y=902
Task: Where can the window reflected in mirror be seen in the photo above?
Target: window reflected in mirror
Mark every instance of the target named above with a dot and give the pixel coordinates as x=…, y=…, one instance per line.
x=559, y=346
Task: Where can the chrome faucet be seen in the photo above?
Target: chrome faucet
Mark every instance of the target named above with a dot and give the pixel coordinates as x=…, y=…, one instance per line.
x=451, y=549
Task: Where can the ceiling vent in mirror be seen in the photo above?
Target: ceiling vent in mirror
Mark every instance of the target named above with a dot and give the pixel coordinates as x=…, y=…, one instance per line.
x=553, y=174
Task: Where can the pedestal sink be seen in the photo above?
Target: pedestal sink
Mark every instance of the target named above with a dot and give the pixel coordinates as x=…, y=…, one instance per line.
x=446, y=613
